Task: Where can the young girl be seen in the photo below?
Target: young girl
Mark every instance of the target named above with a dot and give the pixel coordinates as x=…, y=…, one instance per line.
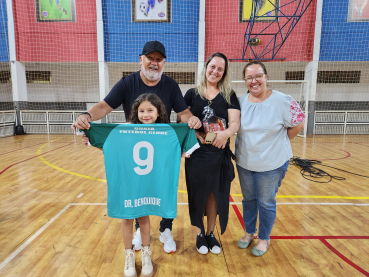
x=146, y=109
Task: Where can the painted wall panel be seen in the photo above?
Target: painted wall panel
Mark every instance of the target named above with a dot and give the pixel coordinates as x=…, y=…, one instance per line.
x=124, y=40
x=4, y=48
x=55, y=41
x=342, y=40
x=225, y=34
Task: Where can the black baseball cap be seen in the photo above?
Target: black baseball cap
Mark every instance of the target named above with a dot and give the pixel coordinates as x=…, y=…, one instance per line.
x=152, y=46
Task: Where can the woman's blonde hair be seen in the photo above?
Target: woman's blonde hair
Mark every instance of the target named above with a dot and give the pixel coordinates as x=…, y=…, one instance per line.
x=224, y=84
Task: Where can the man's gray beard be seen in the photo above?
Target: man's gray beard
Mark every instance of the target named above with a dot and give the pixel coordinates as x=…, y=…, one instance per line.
x=150, y=76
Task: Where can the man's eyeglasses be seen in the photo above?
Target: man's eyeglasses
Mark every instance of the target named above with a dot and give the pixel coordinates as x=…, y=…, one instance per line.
x=257, y=78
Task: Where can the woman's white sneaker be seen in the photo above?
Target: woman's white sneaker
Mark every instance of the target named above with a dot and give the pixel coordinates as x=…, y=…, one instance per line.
x=213, y=244
x=129, y=265
x=147, y=268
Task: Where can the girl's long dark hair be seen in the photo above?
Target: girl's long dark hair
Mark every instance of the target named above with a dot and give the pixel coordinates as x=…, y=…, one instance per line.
x=155, y=101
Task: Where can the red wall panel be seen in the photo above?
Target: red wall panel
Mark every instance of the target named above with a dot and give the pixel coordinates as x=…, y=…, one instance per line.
x=55, y=41
x=225, y=34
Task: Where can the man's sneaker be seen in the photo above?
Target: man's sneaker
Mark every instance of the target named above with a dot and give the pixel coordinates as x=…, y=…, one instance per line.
x=169, y=243
x=147, y=268
x=213, y=244
x=136, y=242
x=201, y=244
x=129, y=265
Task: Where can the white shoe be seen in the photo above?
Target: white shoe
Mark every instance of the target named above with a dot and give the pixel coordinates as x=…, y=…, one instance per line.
x=137, y=242
x=129, y=265
x=147, y=268
x=213, y=244
x=169, y=243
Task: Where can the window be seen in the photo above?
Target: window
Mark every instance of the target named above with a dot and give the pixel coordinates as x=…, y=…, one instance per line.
x=328, y=77
x=295, y=75
x=182, y=77
x=179, y=77
x=5, y=77
x=38, y=77
x=126, y=73
x=339, y=77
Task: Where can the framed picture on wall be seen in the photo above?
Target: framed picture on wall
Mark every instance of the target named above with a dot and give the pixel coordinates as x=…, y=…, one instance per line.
x=358, y=10
x=55, y=10
x=265, y=8
x=151, y=10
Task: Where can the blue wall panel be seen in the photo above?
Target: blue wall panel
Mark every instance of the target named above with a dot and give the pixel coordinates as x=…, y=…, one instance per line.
x=124, y=40
x=342, y=40
x=4, y=51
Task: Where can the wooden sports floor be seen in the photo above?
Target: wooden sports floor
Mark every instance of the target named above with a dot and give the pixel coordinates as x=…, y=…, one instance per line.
x=53, y=218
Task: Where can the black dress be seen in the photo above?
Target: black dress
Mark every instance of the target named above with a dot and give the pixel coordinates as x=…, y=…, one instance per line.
x=209, y=169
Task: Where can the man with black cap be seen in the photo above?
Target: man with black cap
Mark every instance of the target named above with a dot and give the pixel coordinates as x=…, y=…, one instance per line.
x=150, y=79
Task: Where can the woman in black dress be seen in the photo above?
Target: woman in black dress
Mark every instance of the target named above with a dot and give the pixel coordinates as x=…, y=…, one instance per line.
x=209, y=170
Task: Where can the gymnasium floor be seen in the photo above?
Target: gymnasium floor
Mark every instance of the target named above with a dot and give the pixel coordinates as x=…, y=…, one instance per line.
x=53, y=218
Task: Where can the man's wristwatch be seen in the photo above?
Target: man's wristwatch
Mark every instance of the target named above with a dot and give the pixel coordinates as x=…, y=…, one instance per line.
x=87, y=114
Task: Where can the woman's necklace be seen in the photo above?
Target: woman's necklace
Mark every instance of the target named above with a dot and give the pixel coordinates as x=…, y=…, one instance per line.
x=210, y=101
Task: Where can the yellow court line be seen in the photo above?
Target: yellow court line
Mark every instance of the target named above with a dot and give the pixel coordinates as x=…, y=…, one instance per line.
x=183, y=191
x=62, y=169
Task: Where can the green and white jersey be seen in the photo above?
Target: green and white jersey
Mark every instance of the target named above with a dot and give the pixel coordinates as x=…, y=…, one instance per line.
x=142, y=163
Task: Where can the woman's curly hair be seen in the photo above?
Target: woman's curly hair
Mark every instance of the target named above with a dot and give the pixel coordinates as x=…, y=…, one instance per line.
x=155, y=101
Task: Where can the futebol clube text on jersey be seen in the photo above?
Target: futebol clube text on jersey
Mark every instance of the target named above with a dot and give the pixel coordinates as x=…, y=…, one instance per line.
x=142, y=164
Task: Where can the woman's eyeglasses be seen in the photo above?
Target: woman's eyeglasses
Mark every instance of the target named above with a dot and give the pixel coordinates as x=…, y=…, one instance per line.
x=257, y=78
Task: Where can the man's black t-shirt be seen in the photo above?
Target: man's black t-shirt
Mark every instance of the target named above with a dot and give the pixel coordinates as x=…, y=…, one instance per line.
x=129, y=88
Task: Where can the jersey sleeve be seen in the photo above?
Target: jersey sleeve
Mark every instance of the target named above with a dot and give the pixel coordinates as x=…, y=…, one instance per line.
x=186, y=137
x=190, y=144
x=292, y=113
x=235, y=104
x=115, y=96
x=98, y=133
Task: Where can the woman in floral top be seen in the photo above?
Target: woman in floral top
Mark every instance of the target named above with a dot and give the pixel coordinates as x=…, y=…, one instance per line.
x=269, y=119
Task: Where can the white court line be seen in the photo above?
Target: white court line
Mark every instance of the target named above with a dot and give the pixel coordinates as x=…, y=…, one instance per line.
x=80, y=195
x=34, y=236
x=88, y=204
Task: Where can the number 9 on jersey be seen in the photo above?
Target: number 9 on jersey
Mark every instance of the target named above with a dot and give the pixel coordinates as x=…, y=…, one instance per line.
x=148, y=162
